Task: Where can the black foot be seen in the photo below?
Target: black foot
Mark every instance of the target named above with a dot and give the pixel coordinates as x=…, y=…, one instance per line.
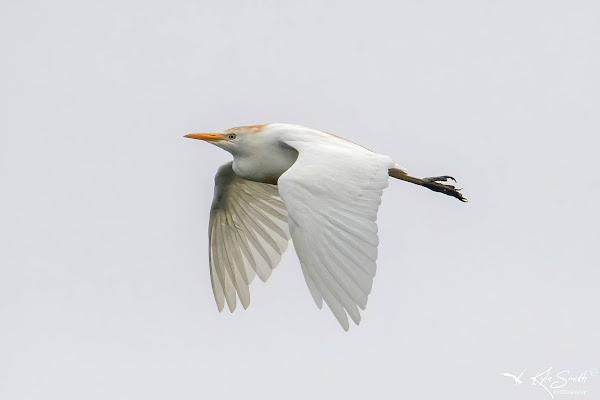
x=432, y=183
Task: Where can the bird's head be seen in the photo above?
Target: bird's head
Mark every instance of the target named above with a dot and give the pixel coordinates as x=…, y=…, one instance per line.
x=235, y=140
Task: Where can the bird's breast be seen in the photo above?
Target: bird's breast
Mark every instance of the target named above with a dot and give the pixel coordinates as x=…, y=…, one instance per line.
x=265, y=166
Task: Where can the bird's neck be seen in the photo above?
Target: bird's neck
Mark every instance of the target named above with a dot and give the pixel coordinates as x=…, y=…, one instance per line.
x=265, y=165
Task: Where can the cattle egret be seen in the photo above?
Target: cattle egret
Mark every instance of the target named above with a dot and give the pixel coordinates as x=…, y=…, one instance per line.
x=317, y=188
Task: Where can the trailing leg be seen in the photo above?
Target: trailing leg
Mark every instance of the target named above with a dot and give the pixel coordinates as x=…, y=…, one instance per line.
x=432, y=183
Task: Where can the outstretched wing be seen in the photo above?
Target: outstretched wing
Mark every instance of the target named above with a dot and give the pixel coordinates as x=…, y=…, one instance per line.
x=332, y=194
x=248, y=233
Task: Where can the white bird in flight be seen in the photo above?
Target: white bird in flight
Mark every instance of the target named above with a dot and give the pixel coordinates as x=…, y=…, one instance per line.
x=322, y=190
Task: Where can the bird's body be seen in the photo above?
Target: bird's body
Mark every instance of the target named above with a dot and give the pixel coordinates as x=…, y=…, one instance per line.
x=322, y=190
x=266, y=155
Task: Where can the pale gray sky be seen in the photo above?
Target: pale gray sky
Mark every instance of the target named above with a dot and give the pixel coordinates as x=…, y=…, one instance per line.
x=104, y=284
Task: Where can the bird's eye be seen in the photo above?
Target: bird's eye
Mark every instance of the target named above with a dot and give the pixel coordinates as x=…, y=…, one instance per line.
x=231, y=136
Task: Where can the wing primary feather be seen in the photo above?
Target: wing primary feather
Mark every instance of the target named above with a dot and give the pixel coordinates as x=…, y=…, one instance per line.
x=255, y=228
x=260, y=230
x=272, y=205
x=241, y=240
x=366, y=264
x=235, y=262
x=216, y=285
x=214, y=259
x=332, y=302
x=233, y=248
x=264, y=220
x=365, y=249
x=346, y=279
x=363, y=280
x=336, y=287
x=220, y=263
x=230, y=264
x=360, y=233
x=312, y=288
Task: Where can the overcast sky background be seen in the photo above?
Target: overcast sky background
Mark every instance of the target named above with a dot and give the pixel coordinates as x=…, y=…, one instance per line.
x=104, y=283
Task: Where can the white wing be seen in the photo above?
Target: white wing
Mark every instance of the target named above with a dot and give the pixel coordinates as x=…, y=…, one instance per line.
x=332, y=193
x=248, y=233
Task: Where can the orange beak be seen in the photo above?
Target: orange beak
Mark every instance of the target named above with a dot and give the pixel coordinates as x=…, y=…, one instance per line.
x=208, y=137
